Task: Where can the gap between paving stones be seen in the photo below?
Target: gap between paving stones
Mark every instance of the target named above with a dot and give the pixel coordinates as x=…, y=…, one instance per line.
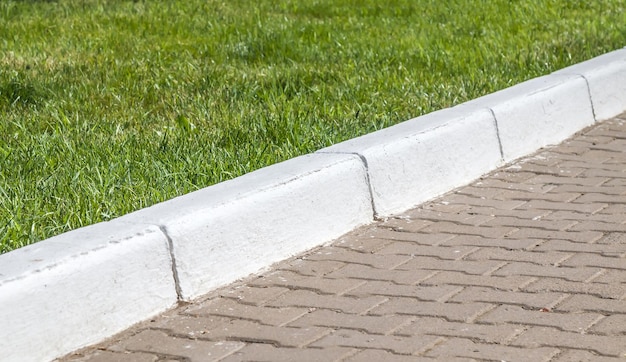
x=117, y=273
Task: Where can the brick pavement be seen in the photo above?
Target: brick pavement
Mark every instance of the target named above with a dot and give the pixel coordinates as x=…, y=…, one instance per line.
x=526, y=264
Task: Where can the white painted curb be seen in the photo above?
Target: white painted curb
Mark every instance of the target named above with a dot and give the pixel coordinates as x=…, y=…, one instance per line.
x=81, y=287
x=538, y=112
x=606, y=76
x=77, y=288
x=419, y=159
x=225, y=232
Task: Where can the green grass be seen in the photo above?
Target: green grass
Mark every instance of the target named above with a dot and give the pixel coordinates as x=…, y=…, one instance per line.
x=110, y=106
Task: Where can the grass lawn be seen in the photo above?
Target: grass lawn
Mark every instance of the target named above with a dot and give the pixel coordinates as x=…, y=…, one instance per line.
x=111, y=106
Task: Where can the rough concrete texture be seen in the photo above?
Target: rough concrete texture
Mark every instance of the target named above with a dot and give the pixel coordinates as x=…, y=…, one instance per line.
x=606, y=77
x=525, y=264
x=532, y=114
x=222, y=233
x=81, y=287
x=422, y=158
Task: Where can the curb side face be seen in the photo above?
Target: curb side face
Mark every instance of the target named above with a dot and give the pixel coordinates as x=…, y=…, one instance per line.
x=417, y=160
x=606, y=77
x=81, y=297
x=215, y=243
x=243, y=237
x=539, y=112
x=406, y=173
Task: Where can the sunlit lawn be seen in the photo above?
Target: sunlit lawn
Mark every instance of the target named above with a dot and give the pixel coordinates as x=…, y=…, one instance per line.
x=110, y=106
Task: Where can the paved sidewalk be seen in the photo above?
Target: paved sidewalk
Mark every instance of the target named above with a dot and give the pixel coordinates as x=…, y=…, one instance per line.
x=526, y=264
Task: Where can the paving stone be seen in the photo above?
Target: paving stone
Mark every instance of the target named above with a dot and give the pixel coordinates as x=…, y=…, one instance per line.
x=266, y=352
x=366, y=242
x=252, y=295
x=231, y=309
x=604, y=130
x=593, y=198
x=542, y=159
x=357, y=339
x=616, y=182
x=583, y=302
x=614, y=239
x=535, y=196
x=386, y=236
x=432, y=293
x=593, y=165
x=419, y=263
x=242, y=330
x=456, y=217
x=512, y=175
x=614, y=250
x=535, y=187
x=595, y=260
x=610, y=276
x=512, y=314
x=603, y=173
x=576, y=355
x=405, y=225
x=369, y=355
x=611, y=325
x=518, y=213
x=598, y=226
x=568, y=206
x=535, y=257
x=451, y=311
x=551, y=170
x=577, y=236
x=440, y=205
x=304, y=298
x=505, y=243
x=317, y=268
x=529, y=269
x=153, y=341
x=349, y=256
x=590, y=156
x=359, y=271
x=187, y=325
x=484, y=202
x=559, y=180
x=411, y=249
x=440, y=327
x=108, y=356
x=367, y=323
x=452, y=228
x=618, y=210
x=544, y=336
x=531, y=223
x=458, y=347
x=572, y=149
x=581, y=189
x=462, y=279
x=292, y=280
x=474, y=191
x=610, y=291
x=534, y=301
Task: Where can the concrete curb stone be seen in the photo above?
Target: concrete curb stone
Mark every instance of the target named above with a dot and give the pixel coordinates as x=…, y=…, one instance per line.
x=77, y=288
x=80, y=287
x=538, y=112
x=425, y=157
x=606, y=79
x=222, y=233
